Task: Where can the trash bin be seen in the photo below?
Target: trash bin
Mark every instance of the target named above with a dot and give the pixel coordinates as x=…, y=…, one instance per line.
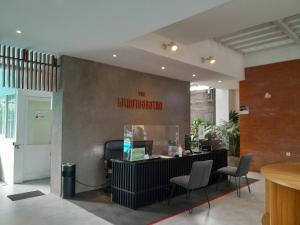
x=68, y=180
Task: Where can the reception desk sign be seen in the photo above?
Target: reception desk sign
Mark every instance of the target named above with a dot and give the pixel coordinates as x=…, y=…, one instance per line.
x=132, y=103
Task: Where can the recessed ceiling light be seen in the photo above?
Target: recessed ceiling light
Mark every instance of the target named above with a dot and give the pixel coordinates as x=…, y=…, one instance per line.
x=220, y=81
x=18, y=32
x=115, y=55
x=194, y=75
x=163, y=68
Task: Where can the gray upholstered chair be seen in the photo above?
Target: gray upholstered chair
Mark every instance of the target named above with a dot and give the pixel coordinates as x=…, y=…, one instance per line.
x=238, y=172
x=198, y=178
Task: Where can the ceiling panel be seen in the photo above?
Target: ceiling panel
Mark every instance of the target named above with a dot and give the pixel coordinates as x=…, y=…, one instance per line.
x=272, y=34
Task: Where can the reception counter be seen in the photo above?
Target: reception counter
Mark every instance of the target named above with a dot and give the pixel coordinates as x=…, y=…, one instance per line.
x=140, y=183
x=282, y=205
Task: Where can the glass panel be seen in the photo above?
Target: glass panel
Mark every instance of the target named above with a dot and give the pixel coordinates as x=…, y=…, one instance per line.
x=39, y=122
x=2, y=114
x=154, y=140
x=11, y=116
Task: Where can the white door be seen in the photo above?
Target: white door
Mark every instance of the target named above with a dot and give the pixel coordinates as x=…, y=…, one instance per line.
x=33, y=139
x=8, y=108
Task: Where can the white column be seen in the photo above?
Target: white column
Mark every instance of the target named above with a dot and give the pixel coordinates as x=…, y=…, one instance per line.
x=222, y=105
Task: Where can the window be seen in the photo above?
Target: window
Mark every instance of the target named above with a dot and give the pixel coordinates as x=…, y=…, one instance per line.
x=2, y=114
x=10, y=116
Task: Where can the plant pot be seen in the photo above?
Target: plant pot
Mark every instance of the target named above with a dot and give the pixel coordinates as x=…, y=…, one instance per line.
x=233, y=161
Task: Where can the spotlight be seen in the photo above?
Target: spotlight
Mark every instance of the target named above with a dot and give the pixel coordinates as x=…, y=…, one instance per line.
x=163, y=68
x=170, y=45
x=210, y=59
x=115, y=55
x=18, y=32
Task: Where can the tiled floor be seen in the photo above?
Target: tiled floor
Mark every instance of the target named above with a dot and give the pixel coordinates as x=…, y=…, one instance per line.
x=43, y=210
x=51, y=210
x=228, y=210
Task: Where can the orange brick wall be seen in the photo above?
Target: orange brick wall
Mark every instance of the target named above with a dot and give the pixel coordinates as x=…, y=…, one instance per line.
x=273, y=126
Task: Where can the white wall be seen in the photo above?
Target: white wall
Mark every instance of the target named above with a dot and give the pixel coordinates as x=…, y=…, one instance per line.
x=222, y=105
x=234, y=100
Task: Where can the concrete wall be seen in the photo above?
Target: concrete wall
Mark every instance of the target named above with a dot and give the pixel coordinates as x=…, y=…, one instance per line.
x=202, y=106
x=90, y=115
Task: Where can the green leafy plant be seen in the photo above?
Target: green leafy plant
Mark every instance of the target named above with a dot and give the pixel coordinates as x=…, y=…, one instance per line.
x=233, y=133
x=224, y=135
x=195, y=125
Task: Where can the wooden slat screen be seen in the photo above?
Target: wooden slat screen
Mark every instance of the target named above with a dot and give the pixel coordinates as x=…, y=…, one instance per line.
x=28, y=69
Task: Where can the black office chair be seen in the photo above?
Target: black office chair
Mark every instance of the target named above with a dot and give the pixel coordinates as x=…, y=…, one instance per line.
x=112, y=150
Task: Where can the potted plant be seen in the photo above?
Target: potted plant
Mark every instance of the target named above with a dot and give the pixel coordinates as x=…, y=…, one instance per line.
x=225, y=135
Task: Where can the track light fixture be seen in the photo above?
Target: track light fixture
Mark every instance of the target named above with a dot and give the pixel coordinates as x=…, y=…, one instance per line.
x=170, y=45
x=210, y=59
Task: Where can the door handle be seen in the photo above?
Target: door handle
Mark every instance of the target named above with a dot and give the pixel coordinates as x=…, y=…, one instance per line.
x=17, y=146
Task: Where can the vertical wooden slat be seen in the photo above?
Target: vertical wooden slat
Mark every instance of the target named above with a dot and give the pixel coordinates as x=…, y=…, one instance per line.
x=36, y=70
x=18, y=68
x=13, y=68
x=8, y=66
x=56, y=78
x=44, y=72
x=52, y=73
x=40, y=71
x=4, y=64
x=27, y=68
x=22, y=69
x=48, y=72
x=31, y=70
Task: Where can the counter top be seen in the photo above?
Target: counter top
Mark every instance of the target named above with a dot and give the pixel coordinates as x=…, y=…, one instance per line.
x=162, y=158
x=285, y=174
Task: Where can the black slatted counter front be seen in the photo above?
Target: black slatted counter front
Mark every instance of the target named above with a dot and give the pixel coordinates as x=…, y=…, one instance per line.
x=140, y=183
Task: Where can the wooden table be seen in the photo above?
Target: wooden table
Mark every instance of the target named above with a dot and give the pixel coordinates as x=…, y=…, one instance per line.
x=282, y=194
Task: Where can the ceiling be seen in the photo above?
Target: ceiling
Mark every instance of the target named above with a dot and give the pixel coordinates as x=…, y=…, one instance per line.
x=285, y=31
x=229, y=18
x=97, y=29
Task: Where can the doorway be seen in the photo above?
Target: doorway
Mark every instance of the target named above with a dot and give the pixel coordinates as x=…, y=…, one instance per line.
x=25, y=135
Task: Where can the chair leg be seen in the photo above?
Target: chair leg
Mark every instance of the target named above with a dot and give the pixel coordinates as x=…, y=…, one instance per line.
x=207, y=197
x=171, y=193
x=236, y=186
x=248, y=184
x=188, y=194
x=229, y=180
x=239, y=186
